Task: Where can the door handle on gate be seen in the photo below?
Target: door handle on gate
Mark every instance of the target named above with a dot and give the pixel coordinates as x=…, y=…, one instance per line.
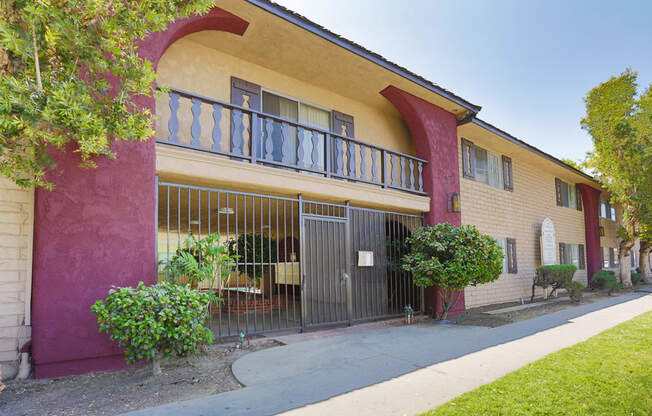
x=345, y=277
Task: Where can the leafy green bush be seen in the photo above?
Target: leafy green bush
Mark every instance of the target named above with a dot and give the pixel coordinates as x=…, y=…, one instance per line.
x=605, y=280
x=575, y=290
x=152, y=322
x=556, y=276
x=636, y=277
x=452, y=258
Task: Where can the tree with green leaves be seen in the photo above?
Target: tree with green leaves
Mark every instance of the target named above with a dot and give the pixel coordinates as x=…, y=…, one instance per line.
x=619, y=120
x=452, y=258
x=69, y=71
x=572, y=163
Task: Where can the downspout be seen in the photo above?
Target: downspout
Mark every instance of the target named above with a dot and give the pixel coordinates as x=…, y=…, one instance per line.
x=25, y=333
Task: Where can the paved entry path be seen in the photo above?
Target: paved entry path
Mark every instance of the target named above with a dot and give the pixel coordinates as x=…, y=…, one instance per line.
x=399, y=370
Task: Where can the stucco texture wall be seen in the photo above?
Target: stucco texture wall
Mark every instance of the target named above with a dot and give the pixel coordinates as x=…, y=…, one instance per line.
x=518, y=215
x=16, y=234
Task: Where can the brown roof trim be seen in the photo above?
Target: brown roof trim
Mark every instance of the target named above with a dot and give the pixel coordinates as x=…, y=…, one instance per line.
x=360, y=50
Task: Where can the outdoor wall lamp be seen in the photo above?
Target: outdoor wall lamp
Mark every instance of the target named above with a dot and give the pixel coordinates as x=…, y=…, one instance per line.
x=601, y=231
x=453, y=201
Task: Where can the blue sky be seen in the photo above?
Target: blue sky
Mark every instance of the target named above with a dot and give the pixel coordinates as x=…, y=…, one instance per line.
x=527, y=63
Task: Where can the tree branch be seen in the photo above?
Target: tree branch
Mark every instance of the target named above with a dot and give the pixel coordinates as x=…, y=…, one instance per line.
x=39, y=85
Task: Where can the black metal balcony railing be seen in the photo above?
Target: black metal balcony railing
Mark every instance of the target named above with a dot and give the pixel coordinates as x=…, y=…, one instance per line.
x=275, y=141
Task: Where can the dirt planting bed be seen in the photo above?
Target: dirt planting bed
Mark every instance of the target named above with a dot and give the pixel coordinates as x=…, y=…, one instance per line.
x=135, y=388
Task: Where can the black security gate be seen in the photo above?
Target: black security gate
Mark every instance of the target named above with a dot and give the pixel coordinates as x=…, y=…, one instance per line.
x=325, y=286
x=298, y=261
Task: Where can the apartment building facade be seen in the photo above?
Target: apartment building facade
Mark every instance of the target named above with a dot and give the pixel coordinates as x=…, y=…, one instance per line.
x=311, y=156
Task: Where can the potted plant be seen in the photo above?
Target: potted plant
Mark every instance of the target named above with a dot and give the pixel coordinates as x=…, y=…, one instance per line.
x=205, y=261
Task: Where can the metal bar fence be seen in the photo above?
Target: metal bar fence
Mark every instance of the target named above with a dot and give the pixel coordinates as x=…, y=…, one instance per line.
x=264, y=292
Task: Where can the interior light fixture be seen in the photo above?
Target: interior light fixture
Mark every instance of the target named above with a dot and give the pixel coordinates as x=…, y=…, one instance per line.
x=226, y=211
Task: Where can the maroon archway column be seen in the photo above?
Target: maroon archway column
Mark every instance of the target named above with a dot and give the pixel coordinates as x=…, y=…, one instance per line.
x=97, y=229
x=434, y=132
x=590, y=205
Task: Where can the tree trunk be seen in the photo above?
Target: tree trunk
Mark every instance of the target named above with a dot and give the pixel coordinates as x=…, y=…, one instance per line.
x=449, y=299
x=624, y=266
x=643, y=263
x=156, y=367
x=39, y=85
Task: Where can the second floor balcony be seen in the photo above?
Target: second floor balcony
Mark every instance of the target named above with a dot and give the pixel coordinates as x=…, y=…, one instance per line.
x=242, y=133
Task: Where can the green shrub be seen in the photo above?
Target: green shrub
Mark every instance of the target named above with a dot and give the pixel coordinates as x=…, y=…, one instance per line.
x=575, y=290
x=556, y=276
x=601, y=278
x=452, y=258
x=152, y=322
x=605, y=280
x=636, y=278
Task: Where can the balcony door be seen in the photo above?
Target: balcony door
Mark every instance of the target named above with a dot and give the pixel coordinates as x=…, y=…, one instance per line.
x=312, y=145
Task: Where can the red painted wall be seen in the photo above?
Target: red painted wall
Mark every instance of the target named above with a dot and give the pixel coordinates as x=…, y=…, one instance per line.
x=590, y=205
x=434, y=131
x=96, y=230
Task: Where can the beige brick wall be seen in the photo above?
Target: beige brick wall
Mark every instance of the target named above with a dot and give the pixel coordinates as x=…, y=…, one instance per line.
x=16, y=234
x=518, y=215
x=610, y=238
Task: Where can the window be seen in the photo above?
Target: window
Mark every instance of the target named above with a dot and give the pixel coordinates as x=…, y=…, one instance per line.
x=572, y=254
x=605, y=261
x=603, y=208
x=509, y=250
x=607, y=210
x=613, y=257
x=502, y=242
x=481, y=169
x=568, y=195
x=299, y=112
x=486, y=166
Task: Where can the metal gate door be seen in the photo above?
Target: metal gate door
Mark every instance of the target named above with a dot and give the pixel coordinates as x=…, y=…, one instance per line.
x=326, y=284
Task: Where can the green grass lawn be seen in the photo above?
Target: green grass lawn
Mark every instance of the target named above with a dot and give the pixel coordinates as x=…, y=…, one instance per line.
x=609, y=374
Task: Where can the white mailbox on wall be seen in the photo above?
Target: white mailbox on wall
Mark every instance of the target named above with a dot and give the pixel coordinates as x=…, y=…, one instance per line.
x=365, y=258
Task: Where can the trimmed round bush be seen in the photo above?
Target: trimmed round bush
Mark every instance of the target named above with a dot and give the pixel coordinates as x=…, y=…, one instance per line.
x=605, y=280
x=575, y=290
x=557, y=276
x=152, y=322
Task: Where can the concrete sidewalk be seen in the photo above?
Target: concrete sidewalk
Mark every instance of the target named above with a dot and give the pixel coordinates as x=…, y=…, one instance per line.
x=399, y=370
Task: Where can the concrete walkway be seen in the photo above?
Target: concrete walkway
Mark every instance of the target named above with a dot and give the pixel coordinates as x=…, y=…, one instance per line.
x=399, y=370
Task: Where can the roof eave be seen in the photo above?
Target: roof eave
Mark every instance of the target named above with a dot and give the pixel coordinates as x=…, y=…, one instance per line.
x=359, y=50
x=525, y=145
